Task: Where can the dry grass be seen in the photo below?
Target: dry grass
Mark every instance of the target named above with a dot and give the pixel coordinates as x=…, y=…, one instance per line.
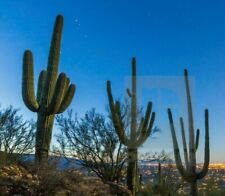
x=15, y=179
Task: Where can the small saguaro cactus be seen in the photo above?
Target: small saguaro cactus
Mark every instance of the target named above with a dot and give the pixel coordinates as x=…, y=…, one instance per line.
x=189, y=172
x=54, y=93
x=137, y=134
x=165, y=184
x=159, y=186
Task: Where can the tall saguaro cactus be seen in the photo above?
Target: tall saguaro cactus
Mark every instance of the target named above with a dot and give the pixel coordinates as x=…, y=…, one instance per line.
x=189, y=172
x=138, y=134
x=54, y=93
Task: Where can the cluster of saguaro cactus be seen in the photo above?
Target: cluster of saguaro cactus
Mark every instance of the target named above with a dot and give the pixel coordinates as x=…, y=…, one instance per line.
x=138, y=133
x=54, y=93
x=188, y=172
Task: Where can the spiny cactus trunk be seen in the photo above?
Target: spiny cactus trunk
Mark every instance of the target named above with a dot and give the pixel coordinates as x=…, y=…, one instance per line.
x=43, y=138
x=192, y=150
x=193, y=188
x=159, y=173
x=132, y=152
x=132, y=170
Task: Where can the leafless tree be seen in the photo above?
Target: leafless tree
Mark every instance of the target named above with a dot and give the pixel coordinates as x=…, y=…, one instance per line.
x=16, y=135
x=93, y=140
x=161, y=156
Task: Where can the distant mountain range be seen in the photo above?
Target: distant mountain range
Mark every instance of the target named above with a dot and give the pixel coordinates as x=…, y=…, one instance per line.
x=61, y=162
x=68, y=163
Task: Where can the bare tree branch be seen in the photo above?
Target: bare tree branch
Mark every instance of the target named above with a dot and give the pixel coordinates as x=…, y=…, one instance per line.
x=93, y=140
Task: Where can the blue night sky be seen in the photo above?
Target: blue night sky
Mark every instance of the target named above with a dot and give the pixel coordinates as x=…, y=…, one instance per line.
x=99, y=39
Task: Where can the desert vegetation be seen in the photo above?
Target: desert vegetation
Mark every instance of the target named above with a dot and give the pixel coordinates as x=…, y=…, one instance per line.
x=54, y=93
x=105, y=146
x=138, y=133
x=188, y=172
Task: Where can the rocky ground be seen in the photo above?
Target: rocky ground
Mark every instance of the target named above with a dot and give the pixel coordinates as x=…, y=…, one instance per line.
x=19, y=180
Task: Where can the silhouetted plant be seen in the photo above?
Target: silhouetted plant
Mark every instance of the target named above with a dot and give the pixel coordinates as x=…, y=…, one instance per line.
x=54, y=93
x=161, y=156
x=138, y=134
x=93, y=141
x=16, y=135
x=189, y=172
x=166, y=184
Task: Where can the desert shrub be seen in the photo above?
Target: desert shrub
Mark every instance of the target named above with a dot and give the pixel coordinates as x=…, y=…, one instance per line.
x=93, y=140
x=210, y=187
x=16, y=136
x=17, y=180
x=166, y=184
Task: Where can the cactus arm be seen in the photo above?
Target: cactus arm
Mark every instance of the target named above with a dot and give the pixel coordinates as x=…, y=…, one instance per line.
x=28, y=82
x=57, y=96
x=118, y=113
x=111, y=102
x=152, y=120
x=53, y=59
x=110, y=97
x=145, y=134
x=120, y=130
x=41, y=82
x=192, y=157
x=121, y=133
x=142, y=130
x=140, y=127
x=116, y=116
x=114, y=108
x=147, y=116
x=175, y=145
x=197, y=139
x=129, y=93
x=68, y=97
x=184, y=142
x=66, y=87
x=67, y=83
x=204, y=171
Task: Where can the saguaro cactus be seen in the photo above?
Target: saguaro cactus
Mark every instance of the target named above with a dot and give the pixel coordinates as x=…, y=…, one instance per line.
x=54, y=93
x=138, y=134
x=165, y=184
x=189, y=172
